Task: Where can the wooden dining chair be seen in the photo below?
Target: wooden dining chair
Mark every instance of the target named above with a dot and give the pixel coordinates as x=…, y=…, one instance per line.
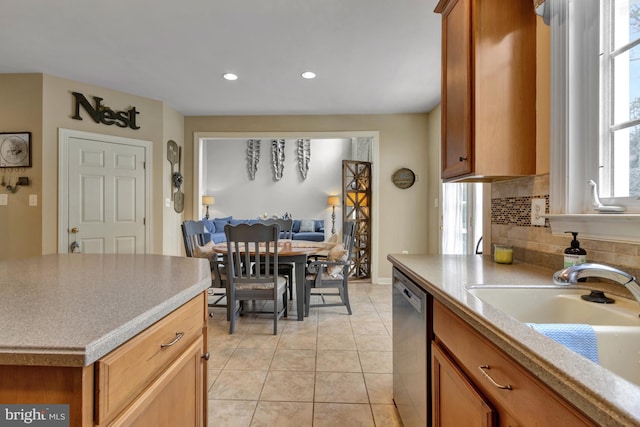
x=193, y=237
x=286, y=232
x=254, y=244
x=286, y=226
x=331, y=273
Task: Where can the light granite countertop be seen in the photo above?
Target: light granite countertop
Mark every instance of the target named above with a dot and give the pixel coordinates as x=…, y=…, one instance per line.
x=72, y=309
x=605, y=397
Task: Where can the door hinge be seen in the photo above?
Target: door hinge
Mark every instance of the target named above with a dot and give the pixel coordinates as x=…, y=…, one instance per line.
x=144, y=221
x=144, y=165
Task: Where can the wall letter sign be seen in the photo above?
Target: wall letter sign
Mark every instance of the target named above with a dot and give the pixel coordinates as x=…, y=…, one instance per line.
x=105, y=115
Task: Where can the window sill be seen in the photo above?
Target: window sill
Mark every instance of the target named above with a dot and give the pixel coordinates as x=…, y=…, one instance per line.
x=610, y=227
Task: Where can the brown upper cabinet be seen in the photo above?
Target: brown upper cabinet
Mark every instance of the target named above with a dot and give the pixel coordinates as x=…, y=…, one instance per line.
x=488, y=89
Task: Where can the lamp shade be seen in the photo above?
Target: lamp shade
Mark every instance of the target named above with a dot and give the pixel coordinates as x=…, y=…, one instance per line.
x=333, y=201
x=208, y=200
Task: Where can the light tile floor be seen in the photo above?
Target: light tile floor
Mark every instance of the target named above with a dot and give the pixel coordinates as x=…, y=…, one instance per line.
x=331, y=369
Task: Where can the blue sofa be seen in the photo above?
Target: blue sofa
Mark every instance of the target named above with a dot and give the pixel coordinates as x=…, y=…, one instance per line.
x=215, y=229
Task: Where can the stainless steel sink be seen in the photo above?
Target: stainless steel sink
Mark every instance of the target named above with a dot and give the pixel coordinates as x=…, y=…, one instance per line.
x=617, y=326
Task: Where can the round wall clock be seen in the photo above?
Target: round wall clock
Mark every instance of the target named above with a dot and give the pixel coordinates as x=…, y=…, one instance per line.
x=403, y=178
x=14, y=150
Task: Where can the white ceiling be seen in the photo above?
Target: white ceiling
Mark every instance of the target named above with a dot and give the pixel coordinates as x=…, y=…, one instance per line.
x=371, y=56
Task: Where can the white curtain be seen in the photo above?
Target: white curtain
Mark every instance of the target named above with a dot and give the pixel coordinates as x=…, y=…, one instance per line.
x=453, y=196
x=363, y=148
x=461, y=218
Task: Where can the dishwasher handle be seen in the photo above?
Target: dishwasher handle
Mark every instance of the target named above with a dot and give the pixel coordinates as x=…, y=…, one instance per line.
x=413, y=299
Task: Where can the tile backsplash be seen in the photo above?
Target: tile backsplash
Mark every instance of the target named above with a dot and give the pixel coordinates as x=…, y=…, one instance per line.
x=511, y=225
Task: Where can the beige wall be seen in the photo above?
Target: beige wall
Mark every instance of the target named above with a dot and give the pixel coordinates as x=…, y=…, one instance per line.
x=434, y=193
x=173, y=129
x=404, y=142
x=21, y=111
x=43, y=104
x=58, y=108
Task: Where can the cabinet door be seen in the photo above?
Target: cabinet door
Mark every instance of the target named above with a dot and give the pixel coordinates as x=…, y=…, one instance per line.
x=175, y=398
x=457, y=149
x=456, y=402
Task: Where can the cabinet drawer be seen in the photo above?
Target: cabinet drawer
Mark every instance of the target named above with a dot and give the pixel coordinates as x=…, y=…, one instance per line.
x=126, y=371
x=529, y=401
x=174, y=399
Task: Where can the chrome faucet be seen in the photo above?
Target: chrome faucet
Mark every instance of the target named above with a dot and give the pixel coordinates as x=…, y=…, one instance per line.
x=570, y=276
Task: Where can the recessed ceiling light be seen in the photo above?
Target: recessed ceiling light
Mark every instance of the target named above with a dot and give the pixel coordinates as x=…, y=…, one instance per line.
x=230, y=76
x=308, y=75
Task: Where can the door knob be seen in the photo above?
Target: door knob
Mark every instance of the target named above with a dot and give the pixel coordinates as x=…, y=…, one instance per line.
x=75, y=230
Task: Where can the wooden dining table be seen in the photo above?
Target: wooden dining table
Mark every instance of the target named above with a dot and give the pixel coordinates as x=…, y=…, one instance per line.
x=296, y=252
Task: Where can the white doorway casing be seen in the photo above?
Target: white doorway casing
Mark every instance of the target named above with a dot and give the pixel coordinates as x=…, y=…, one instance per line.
x=107, y=178
x=198, y=185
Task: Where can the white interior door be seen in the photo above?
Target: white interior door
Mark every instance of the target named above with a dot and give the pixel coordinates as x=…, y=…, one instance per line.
x=105, y=195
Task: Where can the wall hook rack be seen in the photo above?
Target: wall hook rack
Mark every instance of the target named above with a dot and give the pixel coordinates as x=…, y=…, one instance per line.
x=22, y=181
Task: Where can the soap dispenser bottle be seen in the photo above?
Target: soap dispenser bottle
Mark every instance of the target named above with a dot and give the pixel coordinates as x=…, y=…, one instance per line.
x=574, y=255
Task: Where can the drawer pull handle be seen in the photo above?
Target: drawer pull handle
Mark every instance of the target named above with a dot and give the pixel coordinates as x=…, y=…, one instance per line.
x=205, y=356
x=178, y=337
x=484, y=369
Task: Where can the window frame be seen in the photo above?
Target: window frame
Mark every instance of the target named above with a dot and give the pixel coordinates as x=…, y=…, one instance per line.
x=608, y=124
x=575, y=120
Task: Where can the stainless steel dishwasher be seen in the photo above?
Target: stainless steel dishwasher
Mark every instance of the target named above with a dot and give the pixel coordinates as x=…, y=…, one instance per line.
x=411, y=352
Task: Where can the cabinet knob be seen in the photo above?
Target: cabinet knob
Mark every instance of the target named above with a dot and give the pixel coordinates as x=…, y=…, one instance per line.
x=463, y=159
x=205, y=356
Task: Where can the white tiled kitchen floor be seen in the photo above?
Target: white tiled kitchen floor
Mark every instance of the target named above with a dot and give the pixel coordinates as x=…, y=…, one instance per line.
x=331, y=369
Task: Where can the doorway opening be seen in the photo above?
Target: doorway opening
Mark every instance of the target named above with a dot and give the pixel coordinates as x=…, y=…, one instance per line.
x=200, y=179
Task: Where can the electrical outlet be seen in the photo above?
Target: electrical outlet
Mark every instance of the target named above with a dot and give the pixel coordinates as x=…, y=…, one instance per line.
x=33, y=200
x=4, y=199
x=538, y=211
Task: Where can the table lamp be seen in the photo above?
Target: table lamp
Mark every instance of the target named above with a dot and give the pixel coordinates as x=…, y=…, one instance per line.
x=208, y=201
x=333, y=201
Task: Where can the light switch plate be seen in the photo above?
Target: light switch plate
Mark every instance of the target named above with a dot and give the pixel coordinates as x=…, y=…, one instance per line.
x=538, y=211
x=4, y=199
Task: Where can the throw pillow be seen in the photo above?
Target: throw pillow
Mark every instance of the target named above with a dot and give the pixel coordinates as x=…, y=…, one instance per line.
x=209, y=226
x=307, y=225
x=337, y=253
x=219, y=225
x=205, y=251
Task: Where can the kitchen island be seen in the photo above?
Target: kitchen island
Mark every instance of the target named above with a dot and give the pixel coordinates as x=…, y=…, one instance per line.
x=109, y=335
x=582, y=388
